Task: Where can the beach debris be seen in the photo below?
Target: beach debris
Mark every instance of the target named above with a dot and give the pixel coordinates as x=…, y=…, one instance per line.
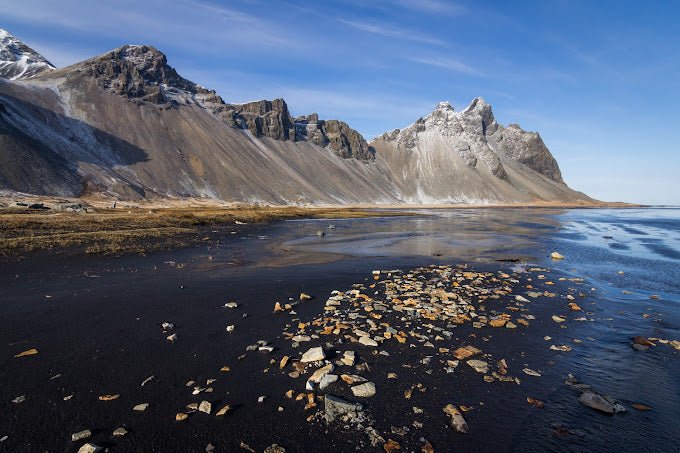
x=313, y=355
x=120, y=432
x=205, y=407
x=591, y=398
x=563, y=348
x=479, y=366
x=457, y=421
x=531, y=372
x=556, y=256
x=26, y=353
x=640, y=343
x=641, y=407
x=391, y=445
x=365, y=390
x=110, y=397
x=534, y=402
x=226, y=408
x=80, y=435
x=338, y=408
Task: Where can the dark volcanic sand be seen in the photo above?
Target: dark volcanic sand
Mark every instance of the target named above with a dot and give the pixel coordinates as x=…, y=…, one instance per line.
x=100, y=329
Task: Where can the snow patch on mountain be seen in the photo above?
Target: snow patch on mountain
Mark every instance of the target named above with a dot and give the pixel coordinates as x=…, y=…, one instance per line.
x=18, y=61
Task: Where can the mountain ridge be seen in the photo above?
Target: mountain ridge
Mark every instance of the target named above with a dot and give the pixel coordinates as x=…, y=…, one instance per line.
x=126, y=125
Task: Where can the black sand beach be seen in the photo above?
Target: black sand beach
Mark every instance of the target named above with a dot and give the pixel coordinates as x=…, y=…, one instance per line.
x=96, y=324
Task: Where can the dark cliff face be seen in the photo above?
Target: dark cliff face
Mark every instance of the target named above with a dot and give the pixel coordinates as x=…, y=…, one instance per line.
x=273, y=119
x=136, y=72
x=337, y=135
x=529, y=149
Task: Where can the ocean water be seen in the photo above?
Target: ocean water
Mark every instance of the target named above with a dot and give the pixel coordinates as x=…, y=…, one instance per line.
x=630, y=260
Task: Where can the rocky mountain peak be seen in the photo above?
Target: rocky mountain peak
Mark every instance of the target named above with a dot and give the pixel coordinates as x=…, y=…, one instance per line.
x=18, y=61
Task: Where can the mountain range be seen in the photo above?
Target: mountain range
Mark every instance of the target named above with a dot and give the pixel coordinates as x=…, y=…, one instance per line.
x=125, y=125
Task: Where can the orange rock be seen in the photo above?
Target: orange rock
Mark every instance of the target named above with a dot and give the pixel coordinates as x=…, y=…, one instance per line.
x=391, y=446
x=498, y=322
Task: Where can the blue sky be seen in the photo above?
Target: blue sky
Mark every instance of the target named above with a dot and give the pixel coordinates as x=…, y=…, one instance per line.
x=600, y=80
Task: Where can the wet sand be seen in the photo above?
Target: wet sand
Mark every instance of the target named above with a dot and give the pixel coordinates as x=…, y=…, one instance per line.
x=96, y=322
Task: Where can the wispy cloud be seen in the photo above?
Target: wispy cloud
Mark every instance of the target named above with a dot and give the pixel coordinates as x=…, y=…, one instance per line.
x=431, y=6
x=392, y=31
x=450, y=64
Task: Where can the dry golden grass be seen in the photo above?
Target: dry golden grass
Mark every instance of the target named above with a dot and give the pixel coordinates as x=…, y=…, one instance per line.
x=137, y=230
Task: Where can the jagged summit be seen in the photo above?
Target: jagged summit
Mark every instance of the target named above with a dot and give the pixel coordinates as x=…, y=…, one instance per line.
x=18, y=61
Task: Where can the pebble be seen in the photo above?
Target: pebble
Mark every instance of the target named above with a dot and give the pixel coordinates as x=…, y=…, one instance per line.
x=231, y=305
x=141, y=407
x=120, y=432
x=172, y=338
x=479, y=366
x=26, y=353
x=556, y=256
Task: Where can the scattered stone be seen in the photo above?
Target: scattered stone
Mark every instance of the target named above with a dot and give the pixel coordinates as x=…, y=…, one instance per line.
x=348, y=358
x=479, y=366
x=108, y=397
x=261, y=399
x=457, y=421
x=26, y=353
x=596, y=402
x=167, y=326
x=531, y=372
x=89, y=448
x=335, y=407
x=80, y=435
x=641, y=407
x=147, y=380
x=205, y=407
x=365, y=390
x=120, y=432
x=368, y=341
x=558, y=319
x=563, y=348
x=304, y=296
x=327, y=380
x=19, y=399
x=226, y=408
x=172, y=338
x=274, y=448
x=391, y=445
x=313, y=355
x=230, y=328
x=181, y=416
x=231, y=305
x=141, y=407
x=352, y=379
x=465, y=352
x=556, y=256
x=534, y=402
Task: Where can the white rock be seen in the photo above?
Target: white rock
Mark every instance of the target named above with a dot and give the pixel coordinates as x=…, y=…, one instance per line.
x=141, y=407
x=172, y=338
x=120, y=432
x=89, y=448
x=365, y=390
x=205, y=406
x=313, y=355
x=80, y=435
x=327, y=380
x=368, y=341
x=230, y=328
x=556, y=256
x=167, y=326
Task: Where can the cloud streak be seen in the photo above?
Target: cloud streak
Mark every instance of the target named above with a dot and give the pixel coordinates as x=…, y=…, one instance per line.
x=450, y=64
x=391, y=31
